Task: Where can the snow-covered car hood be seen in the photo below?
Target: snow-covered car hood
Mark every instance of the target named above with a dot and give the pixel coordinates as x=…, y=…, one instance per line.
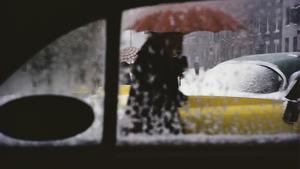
x=254, y=76
x=205, y=84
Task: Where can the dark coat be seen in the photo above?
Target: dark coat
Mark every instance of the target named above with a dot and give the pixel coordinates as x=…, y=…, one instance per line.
x=154, y=95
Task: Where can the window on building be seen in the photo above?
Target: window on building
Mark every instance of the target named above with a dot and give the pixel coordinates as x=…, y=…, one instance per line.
x=267, y=50
x=261, y=48
x=268, y=25
x=251, y=47
x=295, y=44
x=287, y=44
x=276, y=45
x=288, y=16
x=276, y=24
x=259, y=25
x=294, y=14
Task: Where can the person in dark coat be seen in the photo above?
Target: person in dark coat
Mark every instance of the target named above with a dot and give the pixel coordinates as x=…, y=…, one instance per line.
x=197, y=67
x=154, y=96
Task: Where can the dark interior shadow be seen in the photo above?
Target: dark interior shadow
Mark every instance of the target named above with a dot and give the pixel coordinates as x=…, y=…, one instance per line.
x=45, y=117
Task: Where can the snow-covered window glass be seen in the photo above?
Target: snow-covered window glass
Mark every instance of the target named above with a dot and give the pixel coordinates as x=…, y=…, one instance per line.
x=185, y=79
x=72, y=65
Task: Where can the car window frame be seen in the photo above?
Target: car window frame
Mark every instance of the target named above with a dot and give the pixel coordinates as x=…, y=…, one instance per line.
x=108, y=153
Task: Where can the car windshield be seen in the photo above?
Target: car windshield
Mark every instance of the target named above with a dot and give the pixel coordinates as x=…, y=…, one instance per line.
x=240, y=77
x=184, y=77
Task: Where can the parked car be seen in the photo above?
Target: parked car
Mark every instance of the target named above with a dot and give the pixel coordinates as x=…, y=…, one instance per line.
x=257, y=76
x=245, y=95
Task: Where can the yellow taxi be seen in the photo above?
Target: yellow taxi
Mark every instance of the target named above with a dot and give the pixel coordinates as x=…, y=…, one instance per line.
x=257, y=110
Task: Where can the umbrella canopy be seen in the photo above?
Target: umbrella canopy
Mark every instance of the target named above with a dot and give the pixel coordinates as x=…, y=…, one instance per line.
x=129, y=54
x=185, y=18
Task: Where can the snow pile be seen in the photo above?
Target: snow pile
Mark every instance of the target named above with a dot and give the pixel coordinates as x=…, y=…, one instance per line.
x=191, y=84
x=197, y=139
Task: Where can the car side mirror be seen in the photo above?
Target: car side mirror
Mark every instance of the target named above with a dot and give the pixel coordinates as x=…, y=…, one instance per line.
x=292, y=110
x=45, y=117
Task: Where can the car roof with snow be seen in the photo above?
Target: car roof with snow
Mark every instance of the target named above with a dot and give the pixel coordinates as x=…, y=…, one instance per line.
x=285, y=64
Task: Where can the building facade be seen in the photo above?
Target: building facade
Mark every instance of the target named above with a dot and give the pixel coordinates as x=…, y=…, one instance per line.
x=291, y=30
x=269, y=29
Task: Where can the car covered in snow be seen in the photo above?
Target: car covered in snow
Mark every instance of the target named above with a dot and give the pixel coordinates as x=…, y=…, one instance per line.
x=258, y=76
x=248, y=94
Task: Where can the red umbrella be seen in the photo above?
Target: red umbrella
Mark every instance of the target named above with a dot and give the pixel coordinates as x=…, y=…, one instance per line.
x=185, y=18
x=129, y=54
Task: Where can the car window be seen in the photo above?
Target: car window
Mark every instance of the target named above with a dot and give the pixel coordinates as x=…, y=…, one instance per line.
x=175, y=88
x=72, y=65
